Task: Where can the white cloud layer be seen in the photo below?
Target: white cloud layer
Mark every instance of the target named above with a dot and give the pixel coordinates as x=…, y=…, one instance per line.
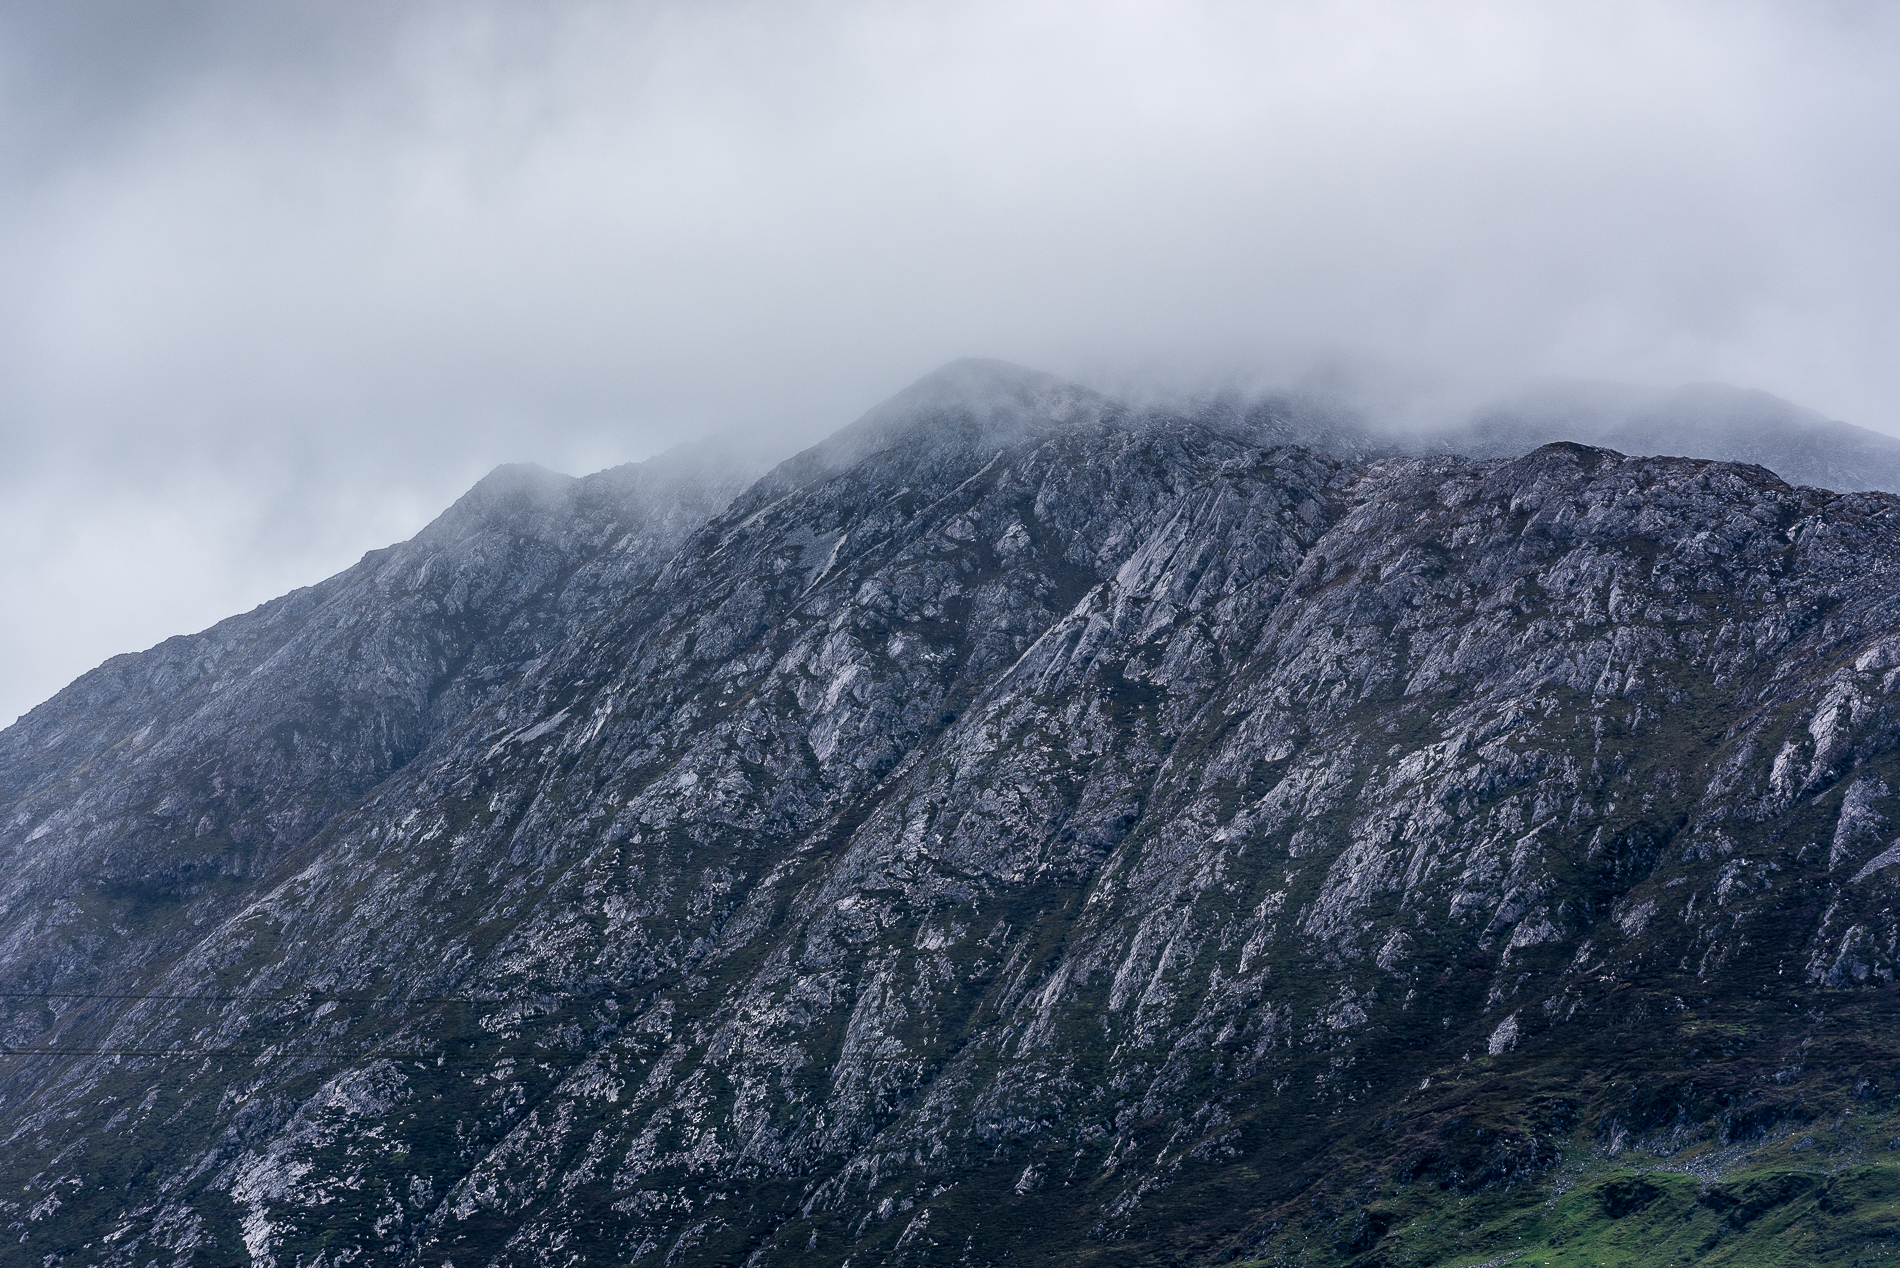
x=278, y=281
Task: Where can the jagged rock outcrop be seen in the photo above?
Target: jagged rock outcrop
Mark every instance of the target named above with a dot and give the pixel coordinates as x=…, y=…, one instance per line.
x=1021, y=826
x=167, y=780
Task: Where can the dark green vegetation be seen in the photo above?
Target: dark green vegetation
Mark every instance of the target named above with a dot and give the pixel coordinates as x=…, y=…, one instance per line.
x=1017, y=830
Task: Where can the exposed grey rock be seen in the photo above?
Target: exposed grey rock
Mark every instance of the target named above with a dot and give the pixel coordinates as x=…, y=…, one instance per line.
x=170, y=779
x=994, y=831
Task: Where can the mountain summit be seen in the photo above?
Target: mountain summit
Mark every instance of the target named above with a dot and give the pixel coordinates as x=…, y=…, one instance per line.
x=973, y=402
x=1020, y=828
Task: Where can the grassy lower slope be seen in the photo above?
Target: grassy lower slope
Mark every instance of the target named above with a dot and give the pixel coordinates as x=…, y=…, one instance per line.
x=1773, y=1143
x=1647, y=1219
x=1823, y=1196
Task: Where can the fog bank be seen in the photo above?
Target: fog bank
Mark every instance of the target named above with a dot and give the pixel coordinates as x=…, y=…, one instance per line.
x=280, y=281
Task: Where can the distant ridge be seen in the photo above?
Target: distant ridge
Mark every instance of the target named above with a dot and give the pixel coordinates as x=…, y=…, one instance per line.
x=1705, y=420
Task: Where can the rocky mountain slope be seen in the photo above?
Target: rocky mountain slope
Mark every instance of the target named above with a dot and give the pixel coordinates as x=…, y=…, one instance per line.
x=1364, y=421
x=1020, y=828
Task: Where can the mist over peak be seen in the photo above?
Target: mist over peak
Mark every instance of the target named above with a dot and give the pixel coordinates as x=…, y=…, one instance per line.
x=281, y=285
x=990, y=391
x=1363, y=728
x=1713, y=420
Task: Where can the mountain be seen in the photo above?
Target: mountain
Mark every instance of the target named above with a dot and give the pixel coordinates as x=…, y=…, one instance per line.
x=1710, y=419
x=1363, y=418
x=153, y=792
x=1023, y=827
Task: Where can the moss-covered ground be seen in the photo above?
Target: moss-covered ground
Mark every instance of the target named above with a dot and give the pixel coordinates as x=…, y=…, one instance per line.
x=1771, y=1211
x=1626, y=1218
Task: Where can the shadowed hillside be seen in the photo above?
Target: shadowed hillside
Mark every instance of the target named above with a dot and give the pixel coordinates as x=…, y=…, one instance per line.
x=1022, y=827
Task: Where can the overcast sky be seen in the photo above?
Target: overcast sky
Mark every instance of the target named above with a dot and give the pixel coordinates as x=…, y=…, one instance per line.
x=277, y=281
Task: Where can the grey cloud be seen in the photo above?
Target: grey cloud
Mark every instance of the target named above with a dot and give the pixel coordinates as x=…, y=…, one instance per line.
x=282, y=279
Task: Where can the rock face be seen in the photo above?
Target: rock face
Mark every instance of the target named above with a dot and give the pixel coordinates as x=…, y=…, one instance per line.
x=1019, y=827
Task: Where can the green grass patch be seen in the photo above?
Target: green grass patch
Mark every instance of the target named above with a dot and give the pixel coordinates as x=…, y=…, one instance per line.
x=1627, y=1218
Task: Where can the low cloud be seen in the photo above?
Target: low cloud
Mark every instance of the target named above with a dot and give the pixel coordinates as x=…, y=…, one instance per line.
x=282, y=280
